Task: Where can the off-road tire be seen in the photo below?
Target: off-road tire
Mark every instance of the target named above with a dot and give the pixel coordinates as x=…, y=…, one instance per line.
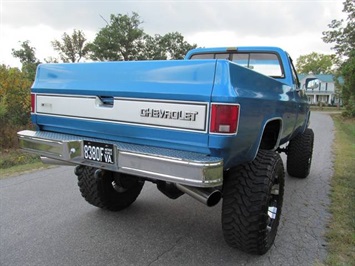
x=250, y=193
x=101, y=189
x=299, y=154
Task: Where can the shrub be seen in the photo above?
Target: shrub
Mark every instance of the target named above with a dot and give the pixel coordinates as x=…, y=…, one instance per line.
x=15, y=103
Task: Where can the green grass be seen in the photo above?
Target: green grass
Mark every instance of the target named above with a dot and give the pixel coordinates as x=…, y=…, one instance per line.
x=326, y=108
x=20, y=169
x=14, y=162
x=341, y=230
x=10, y=158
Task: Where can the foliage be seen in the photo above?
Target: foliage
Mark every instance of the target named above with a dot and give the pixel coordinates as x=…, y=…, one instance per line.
x=169, y=46
x=121, y=39
x=27, y=56
x=15, y=103
x=71, y=48
x=51, y=59
x=347, y=70
x=175, y=45
x=315, y=63
x=124, y=39
x=151, y=49
x=11, y=158
x=342, y=35
x=3, y=107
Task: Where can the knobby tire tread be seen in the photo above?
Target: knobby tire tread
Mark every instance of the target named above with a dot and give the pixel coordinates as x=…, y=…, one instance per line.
x=299, y=156
x=98, y=191
x=246, y=193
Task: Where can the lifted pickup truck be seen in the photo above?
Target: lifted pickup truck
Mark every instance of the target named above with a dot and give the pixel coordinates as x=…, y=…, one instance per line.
x=211, y=126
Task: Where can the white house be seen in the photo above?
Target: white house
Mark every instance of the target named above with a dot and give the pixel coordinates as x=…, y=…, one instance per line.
x=320, y=88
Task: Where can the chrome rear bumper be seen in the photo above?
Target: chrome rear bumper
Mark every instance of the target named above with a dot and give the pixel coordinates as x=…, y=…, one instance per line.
x=176, y=166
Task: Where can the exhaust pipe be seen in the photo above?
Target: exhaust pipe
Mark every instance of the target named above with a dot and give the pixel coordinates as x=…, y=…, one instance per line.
x=207, y=196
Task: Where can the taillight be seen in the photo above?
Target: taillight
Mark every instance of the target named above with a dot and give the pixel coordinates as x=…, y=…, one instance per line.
x=224, y=118
x=33, y=102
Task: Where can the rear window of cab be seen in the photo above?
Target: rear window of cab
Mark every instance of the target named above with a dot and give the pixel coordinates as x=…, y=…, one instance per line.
x=268, y=64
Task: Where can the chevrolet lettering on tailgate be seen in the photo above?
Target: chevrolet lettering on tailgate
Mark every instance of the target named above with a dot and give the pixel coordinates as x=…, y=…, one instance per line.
x=167, y=114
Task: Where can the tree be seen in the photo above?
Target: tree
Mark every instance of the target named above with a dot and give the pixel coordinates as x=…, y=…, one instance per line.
x=152, y=49
x=175, y=45
x=15, y=95
x=169, y=46
x=347, y=71
x=342, y=35
x=15, y=104
x=124, y=39
x=27, y=56
x=315, y=63
x=71, y=48
x=121, y=39
x=51, y=59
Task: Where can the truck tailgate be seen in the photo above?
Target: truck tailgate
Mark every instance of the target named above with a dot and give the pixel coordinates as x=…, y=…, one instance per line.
x=158, y=103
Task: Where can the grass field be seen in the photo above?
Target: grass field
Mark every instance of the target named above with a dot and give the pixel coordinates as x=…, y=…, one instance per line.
x=341, y=231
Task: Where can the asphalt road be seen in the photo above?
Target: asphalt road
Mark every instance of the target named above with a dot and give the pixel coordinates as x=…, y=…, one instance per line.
x=45, y=221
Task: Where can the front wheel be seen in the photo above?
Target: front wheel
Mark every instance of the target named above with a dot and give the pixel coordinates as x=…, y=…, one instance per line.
x=252, y=202
x=108, y=190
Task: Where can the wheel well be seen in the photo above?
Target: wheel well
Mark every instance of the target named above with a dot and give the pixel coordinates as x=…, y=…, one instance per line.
x=270, y=138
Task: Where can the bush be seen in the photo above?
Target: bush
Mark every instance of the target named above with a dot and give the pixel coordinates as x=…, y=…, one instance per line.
x=15, y=104
x=8, y=135
x=350, y=107
x=10, y=158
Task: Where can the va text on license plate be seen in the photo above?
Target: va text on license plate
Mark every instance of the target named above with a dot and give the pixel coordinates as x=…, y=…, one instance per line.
x=99, y=152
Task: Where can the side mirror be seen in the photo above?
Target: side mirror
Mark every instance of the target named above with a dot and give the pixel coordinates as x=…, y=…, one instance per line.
x=312, y=83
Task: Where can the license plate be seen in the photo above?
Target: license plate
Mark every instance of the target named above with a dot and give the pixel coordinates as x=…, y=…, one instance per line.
x=99, y=152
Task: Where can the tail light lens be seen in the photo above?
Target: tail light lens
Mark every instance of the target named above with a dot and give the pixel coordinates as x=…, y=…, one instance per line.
x=33, y=102
x=224, y=118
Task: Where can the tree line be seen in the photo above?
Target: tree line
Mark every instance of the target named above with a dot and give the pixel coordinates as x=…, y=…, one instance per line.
x=341, y=33
x=122, y=39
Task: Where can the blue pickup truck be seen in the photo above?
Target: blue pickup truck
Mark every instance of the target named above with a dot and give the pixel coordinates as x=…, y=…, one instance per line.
x=210, y=126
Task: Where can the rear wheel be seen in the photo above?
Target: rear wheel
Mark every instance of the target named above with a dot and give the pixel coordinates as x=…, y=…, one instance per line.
x=108, y=190
x=299, y=154
x=252, y=202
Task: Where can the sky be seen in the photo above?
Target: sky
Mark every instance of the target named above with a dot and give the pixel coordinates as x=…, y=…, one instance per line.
x=294, y=25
